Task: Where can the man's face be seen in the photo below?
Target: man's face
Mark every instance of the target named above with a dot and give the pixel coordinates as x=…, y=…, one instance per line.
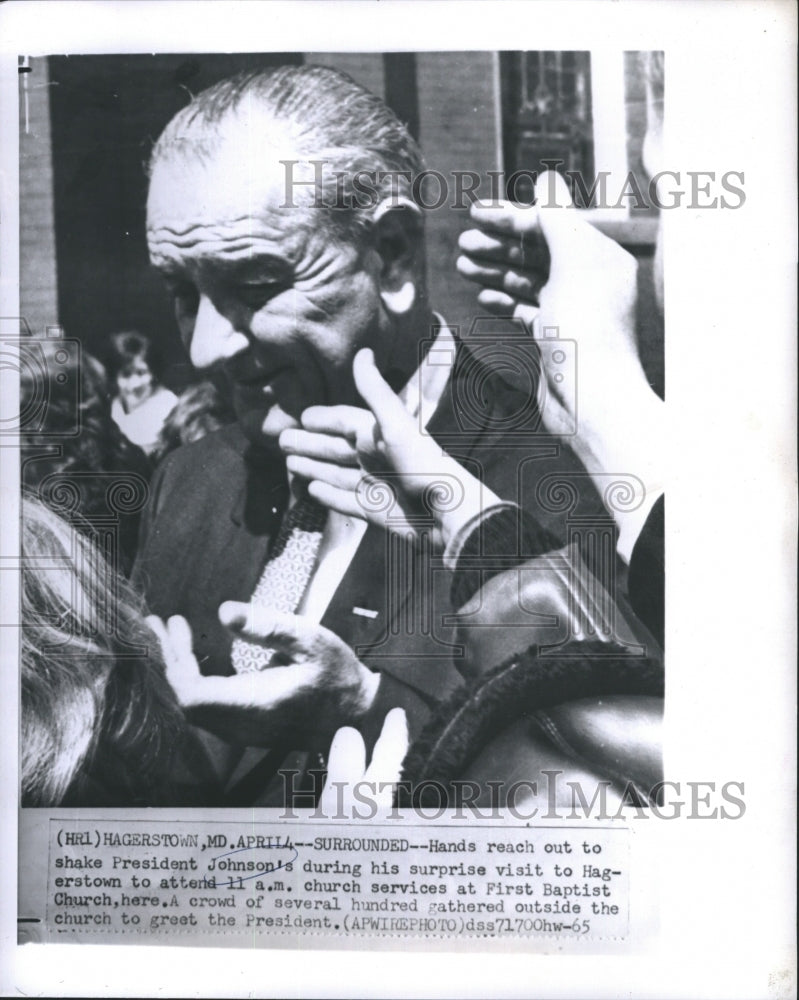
x=261, y=291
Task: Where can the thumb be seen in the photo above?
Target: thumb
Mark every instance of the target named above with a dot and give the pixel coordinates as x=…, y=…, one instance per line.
x=258, y=623
x=180, y=665
x=569, y=236
x=234, y=614
x=390, y=748
x=386, y=406
x=552, y=191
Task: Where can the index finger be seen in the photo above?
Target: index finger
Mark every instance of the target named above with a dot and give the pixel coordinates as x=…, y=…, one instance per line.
x=348, y=421
x=346, y=760
x=491, y=246
x=259, y=623
x=506, y=217
x=311, y=444
x=390, y=748
x=387, y=407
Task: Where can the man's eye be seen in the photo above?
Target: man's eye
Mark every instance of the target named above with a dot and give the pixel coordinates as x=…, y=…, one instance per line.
x=185, y=297
x=254, y=296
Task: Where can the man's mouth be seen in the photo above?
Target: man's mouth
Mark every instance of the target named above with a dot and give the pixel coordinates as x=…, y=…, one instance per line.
x=259, y=381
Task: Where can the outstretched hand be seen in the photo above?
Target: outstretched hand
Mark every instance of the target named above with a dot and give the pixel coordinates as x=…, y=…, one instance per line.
x=322, y=687
x=376, y=464
x=346, y=767
x=547, y=266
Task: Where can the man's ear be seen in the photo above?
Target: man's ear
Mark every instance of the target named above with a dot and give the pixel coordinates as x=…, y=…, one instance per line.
x=398, y=241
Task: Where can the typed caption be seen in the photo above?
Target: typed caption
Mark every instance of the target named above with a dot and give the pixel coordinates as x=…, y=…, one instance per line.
x=275, y=882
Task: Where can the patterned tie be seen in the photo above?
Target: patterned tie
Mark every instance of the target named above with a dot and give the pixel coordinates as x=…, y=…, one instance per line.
x=285, y=576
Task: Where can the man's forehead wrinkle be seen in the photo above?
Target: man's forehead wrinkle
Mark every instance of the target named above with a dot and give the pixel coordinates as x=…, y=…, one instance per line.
x=216, y=196
x=201, y=250
x=191, y=231
x=221, y=247
x=238, y=258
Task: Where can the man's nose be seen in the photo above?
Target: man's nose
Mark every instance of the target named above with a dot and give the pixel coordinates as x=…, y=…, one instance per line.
x=214, y=338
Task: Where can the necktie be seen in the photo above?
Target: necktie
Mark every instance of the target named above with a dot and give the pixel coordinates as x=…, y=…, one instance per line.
x=285, y=576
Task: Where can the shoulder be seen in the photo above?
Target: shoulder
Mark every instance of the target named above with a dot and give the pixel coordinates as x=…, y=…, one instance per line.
x=479, y=401
x=196, y=476
x=221, y=451
x=162, y=401
x=213, y=473
x=166, y=394
x=482, y=373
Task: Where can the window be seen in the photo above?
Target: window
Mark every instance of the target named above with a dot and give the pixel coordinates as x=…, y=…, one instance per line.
x=584, y=114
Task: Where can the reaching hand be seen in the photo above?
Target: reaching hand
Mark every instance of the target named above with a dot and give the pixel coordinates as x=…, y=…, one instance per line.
x=346, y=766
x=376, y=464
x=324, y=686
x=547, y=266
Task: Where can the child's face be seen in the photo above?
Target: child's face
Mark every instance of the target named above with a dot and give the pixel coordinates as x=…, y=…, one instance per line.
x=135, y=383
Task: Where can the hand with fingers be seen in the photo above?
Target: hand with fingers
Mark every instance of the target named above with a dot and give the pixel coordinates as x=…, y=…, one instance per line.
x=547, y=266
x=347, y=770
x=375, y=464
x=321, y=687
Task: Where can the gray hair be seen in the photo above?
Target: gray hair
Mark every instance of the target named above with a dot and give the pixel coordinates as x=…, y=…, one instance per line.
x=327, y=116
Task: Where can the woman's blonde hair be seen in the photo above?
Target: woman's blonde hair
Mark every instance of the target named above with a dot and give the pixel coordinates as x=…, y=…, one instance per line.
x=99, y=720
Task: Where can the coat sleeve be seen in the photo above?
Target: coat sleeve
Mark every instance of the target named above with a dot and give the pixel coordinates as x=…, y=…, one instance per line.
x=147, y=523
x=501, y=538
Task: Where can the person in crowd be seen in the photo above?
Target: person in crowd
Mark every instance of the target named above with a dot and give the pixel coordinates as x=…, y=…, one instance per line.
x=200, y=409
x=100, y=723
x=73, y=455
x=142, y=403
x=280, y=275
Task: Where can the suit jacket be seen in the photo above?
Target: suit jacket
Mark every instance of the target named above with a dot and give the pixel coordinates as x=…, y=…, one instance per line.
x=216, y=504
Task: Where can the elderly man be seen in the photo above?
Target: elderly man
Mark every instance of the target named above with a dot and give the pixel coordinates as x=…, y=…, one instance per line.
x=283, y=263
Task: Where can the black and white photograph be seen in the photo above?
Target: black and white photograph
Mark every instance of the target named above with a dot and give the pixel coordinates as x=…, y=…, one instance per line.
x=330, y=478
x=348, y=608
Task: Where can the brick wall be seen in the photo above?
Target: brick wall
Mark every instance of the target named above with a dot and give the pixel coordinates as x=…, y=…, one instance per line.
x=458, y=107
